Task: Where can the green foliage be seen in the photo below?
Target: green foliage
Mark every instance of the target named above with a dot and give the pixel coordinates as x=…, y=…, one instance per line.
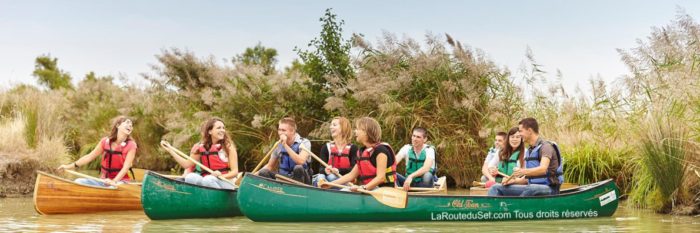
x=592, y=162
x=327, y=64
x=260, y=56
x=47, y=73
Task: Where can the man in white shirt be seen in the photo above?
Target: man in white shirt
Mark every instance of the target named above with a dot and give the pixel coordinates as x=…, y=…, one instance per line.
x=420, y=161
x=489, y=169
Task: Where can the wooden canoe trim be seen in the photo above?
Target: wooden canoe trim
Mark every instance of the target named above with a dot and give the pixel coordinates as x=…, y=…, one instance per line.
x=56, y=195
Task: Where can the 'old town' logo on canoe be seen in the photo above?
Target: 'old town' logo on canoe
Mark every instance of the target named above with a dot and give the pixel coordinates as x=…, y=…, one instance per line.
x=466, y=204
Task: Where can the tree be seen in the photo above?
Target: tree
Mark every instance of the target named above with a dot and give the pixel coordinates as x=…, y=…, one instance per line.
x=261, y=56
x=327, y=64
x=47, y=72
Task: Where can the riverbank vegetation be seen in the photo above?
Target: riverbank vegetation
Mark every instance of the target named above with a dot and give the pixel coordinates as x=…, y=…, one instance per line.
x=641, y=130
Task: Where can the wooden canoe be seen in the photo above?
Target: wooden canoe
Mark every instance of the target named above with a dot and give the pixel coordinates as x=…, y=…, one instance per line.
x=266, y=200
x=56, y=195
x=168, y=198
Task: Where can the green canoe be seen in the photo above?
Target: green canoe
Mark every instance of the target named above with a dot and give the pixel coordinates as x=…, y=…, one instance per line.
x=267, y=200
x=166, y=198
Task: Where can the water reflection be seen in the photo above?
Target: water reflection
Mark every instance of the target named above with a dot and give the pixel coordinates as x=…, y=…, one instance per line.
x=18, y=215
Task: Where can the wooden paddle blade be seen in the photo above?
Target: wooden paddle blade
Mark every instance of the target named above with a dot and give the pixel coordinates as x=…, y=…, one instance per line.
x=390, y=196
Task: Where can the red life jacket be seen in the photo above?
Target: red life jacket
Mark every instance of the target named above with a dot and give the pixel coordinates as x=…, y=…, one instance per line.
x=113, y=158
x=339, y=160
x=368, y=166
x=210, y=158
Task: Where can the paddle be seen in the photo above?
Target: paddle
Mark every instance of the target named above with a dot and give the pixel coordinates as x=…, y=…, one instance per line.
x=239, y=178
x=290, y=180
x=319, y=160
x=132, y=189
x=476, y=183
x=440, y=183
x=178, y=152
x=388, y=196
x=262, y=161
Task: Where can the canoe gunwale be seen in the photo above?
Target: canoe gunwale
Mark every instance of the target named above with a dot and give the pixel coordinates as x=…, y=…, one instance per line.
x=581, y=189
x=72, y=182
x=162, y=177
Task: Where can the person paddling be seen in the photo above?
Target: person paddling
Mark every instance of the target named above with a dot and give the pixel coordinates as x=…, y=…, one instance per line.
x=339, y=154
x=420, y=161
x=217, y=151
x=289, y=159
x=376, y=166
x=544, y=170
x=118, y=151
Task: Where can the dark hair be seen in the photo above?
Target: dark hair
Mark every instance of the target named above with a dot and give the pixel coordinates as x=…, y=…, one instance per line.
x=115, y=128
x=508, y=150
x=206, y=137
x=502, y=134
x=421, y=130
x=530, y=123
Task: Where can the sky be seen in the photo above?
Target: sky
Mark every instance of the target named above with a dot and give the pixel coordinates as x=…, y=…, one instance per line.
x=121, y=38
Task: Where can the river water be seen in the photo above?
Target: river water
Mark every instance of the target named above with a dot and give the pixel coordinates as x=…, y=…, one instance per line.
x=18, y=215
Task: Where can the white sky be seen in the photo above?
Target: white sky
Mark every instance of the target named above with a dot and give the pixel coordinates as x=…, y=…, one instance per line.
x=120, y=38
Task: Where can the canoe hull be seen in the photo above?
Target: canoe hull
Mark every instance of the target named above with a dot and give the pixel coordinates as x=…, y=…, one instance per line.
x=56, y=195
x=266, y=200
x=166, y=198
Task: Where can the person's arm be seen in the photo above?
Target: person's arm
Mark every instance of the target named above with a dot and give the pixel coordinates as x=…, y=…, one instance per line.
x=127, y=164
x=485, y=169
x=272, y=163
x=232, y=162
x=325, y=156
x=546, y=154
x=85, y=159
x=422, y=170
x=402, y=154
x=347, y=177
x=380, y=178
x=184, y=163
x=301, y=157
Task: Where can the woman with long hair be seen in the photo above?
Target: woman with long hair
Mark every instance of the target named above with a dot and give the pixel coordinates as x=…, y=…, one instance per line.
x=512, y=155
x=217, y=151
x=376, y=166
x=118, y=151
x=339, y=154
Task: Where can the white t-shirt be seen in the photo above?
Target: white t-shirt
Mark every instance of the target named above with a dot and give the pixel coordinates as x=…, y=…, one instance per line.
x=492, y=157
x=429, y=153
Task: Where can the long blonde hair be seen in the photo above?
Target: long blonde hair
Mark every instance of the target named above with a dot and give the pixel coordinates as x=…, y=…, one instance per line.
x=345, y=128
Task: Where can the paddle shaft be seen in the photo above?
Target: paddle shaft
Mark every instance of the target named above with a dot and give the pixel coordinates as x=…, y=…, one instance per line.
x=281, y=177
x=178, y=152
x=127, y=187
x=343, y=186
x=319, y=160
x=262, y=161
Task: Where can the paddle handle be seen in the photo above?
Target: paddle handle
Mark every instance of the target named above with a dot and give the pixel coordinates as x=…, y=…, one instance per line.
x=262, y=161
x=504, y=175
x=178, y=152
x=319, y=159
